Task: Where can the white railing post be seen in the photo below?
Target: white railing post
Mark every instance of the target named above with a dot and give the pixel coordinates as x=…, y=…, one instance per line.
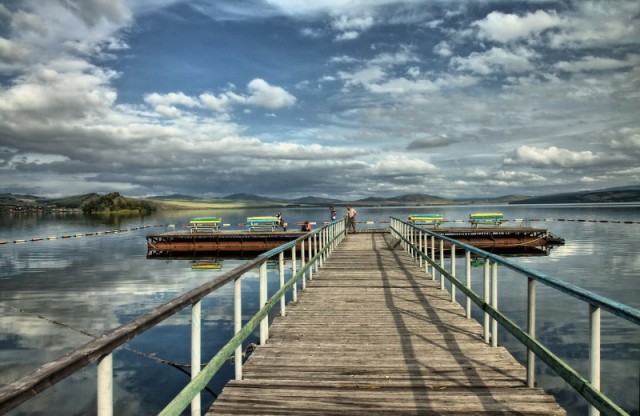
x=310, y=244
x=196, y=345
x=441, y=263
x=294, y=267
x=105, y=385
x=302, y=264
x=237, y=323
x=467, y=270
x=321, y=244
x=281, y=276
x=264, y=324
x=487, y=298
x=531, y=330
x=426, y=251
x=433, y=257
x=594, y=352
x=412, y=238
x=453, y=272
x=419, y=254
x=316, y=248
x=494, y=303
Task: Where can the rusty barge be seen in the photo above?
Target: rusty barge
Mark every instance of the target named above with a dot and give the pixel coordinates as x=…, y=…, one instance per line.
x=500, y=240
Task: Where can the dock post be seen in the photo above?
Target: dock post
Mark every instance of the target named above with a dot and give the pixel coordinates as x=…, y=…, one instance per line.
x=196, y=319
x=594, y=352
x=237, y=323
x=105, y=385
x=264, y=324
x=531, y=329
x=453, y=272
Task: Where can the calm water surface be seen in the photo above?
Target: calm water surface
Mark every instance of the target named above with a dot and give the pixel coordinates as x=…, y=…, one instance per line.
x=96, y=283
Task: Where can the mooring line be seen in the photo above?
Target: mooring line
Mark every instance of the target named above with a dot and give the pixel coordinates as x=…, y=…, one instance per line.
x=517, y=220
x=152, y=356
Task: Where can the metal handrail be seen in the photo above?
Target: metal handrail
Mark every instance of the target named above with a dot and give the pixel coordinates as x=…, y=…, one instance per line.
x=588, y=389
x=623, y=311
x=100, y=349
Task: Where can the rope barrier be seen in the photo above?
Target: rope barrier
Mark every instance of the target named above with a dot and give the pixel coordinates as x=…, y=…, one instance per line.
x=181, y=367
x=517, y=220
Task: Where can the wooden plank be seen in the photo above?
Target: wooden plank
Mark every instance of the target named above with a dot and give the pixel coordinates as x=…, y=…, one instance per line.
x=373, y=334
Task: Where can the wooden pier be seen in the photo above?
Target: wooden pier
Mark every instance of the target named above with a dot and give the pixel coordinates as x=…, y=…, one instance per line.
x=373, y=334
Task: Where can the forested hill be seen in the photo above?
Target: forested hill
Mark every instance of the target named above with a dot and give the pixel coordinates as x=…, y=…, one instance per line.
x=621, y=194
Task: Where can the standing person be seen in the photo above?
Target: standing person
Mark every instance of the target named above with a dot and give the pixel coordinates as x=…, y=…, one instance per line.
x=281, y=222
x=334, y=214
x=351, y=219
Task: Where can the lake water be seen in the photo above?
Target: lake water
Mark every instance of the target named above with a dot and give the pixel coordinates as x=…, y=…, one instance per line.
x=96, y=283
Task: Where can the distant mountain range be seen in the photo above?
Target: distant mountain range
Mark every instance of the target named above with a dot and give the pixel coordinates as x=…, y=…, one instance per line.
x=619, y=194
x=629, y=193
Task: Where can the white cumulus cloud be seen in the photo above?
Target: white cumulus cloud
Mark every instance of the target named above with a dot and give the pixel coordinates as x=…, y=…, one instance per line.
x=503, y=28
x=551, y=157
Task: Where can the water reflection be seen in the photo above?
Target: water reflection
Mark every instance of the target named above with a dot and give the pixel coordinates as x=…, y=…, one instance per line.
x=99, y=282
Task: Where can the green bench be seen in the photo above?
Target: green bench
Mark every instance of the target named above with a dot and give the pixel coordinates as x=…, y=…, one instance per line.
x=205, y=224
x=426, y=219
x=486, y=218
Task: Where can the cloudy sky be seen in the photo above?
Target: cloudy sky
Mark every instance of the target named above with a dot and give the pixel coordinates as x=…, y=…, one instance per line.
x=335, y=98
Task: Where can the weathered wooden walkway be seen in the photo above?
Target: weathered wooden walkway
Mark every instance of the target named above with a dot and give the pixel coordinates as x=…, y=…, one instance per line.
x=373, y=335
